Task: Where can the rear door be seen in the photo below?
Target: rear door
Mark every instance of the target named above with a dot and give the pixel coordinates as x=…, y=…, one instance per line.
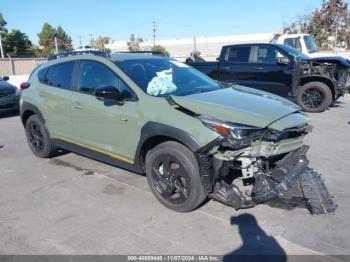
x=55, y=93
x=235, y=66
x=270, y=74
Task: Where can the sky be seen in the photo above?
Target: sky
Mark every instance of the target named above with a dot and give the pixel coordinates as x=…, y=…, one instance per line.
x=175, y=19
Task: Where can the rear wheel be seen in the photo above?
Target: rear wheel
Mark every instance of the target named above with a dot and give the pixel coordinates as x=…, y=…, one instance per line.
x=314, y=97
x=173, y=175
x=38, y=137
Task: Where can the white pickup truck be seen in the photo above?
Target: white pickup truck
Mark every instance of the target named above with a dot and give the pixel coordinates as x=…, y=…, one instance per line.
x=303, y=42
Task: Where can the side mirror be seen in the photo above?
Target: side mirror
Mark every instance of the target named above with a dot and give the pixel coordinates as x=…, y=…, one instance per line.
x=5, y=78
x=109, y=94
x=283, y=60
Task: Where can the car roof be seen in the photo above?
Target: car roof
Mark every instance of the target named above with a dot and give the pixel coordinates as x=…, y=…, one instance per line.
x=252, y=44
x=119, y=57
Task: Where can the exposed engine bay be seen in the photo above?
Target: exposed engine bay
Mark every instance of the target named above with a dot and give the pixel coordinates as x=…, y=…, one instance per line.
x=331, y=68
x=248, y=170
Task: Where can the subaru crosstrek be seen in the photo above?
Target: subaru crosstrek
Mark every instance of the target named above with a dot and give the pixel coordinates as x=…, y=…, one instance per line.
x=194, y=138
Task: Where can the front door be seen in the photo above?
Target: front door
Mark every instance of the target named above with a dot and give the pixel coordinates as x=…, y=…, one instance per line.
x=103, y=126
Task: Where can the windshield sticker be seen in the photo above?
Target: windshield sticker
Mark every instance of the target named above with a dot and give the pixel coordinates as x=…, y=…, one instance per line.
x=179, y=64
x=162, y=83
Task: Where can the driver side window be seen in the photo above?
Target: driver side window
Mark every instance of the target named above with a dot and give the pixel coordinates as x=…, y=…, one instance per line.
x=94, y=75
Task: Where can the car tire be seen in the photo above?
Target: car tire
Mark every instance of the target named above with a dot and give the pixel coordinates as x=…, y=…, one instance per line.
x=38, y=138
x=173, y=175
x=314, y=97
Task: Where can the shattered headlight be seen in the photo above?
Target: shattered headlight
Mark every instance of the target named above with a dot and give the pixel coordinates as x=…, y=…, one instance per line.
x=236, y=135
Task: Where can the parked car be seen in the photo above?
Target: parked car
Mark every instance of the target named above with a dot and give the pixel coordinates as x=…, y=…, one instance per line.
x=9, y=96
x=191, y=137
x=281, y=70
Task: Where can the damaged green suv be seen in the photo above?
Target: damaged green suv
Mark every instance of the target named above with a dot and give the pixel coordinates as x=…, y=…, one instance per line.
x=193, y=137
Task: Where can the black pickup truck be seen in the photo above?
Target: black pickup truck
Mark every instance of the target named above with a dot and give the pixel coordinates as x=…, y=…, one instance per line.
x=281, y=70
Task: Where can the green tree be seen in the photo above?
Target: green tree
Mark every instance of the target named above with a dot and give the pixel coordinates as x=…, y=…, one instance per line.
x=100, y=43
x=47, y=43
x=331, y=19
x=160, y=49
x=3, y=23
x=17, y=44
x=45, y=39
x=63, y=39
x=134, y=43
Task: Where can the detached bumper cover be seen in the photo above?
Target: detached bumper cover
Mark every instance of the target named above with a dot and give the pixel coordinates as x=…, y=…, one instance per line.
x=287, y=171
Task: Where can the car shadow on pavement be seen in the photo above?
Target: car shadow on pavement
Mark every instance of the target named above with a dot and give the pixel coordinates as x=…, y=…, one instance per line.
x=337, y=104
x=257, y=245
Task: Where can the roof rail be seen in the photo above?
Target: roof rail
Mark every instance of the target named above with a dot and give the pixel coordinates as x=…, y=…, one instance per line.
x=84, y=52
x=140, y=52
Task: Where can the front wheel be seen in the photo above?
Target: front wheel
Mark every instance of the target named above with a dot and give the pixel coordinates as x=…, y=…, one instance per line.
x=173, y=175
x=314, y=97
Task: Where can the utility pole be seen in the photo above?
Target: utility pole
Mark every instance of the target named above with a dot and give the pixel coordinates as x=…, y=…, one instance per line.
x=154, y=29
x=80, y=43
x=56, y=45
x=2, y=51
x=91, y=40
x=54, y=36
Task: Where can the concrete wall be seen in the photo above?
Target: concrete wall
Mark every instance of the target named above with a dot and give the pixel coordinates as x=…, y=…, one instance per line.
x=19, y=66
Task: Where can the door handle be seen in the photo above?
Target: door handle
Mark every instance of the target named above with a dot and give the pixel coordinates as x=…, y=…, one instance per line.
x=259, y=68
x=77, y=105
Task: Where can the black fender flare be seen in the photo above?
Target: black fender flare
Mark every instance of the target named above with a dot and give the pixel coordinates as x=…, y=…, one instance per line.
x=28, y=107
x=153, y=129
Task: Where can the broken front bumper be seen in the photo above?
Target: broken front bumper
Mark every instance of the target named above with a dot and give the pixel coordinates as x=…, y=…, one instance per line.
x=287, y=171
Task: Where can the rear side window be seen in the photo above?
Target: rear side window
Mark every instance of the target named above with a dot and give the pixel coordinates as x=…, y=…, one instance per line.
x=239, y=54
x=293, y=42
x=42, y=74
x=59, y=75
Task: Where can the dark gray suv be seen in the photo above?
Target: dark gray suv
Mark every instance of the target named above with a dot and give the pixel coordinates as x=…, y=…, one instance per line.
x=9, y=95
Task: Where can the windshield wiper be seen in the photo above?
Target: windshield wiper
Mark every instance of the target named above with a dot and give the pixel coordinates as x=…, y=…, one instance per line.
x=202, y=91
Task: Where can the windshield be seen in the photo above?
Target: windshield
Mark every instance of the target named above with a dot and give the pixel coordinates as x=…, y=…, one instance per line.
x=310, y=44
x=164, y=77
x=293, y=52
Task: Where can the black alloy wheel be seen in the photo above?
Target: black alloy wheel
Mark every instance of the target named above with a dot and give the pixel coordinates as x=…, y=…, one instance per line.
x=171, y=179
x=36, y=138
x=312, y=97
x=174, y=178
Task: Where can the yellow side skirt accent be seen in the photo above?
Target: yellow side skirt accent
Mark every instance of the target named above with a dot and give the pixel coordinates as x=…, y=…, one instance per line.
x=112, y=155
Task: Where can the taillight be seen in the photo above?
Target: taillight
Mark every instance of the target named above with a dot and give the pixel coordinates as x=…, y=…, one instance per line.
x=24, y=85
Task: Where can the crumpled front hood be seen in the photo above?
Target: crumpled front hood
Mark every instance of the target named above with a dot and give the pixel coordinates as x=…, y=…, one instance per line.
x=332, y=59
x=239, y=104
